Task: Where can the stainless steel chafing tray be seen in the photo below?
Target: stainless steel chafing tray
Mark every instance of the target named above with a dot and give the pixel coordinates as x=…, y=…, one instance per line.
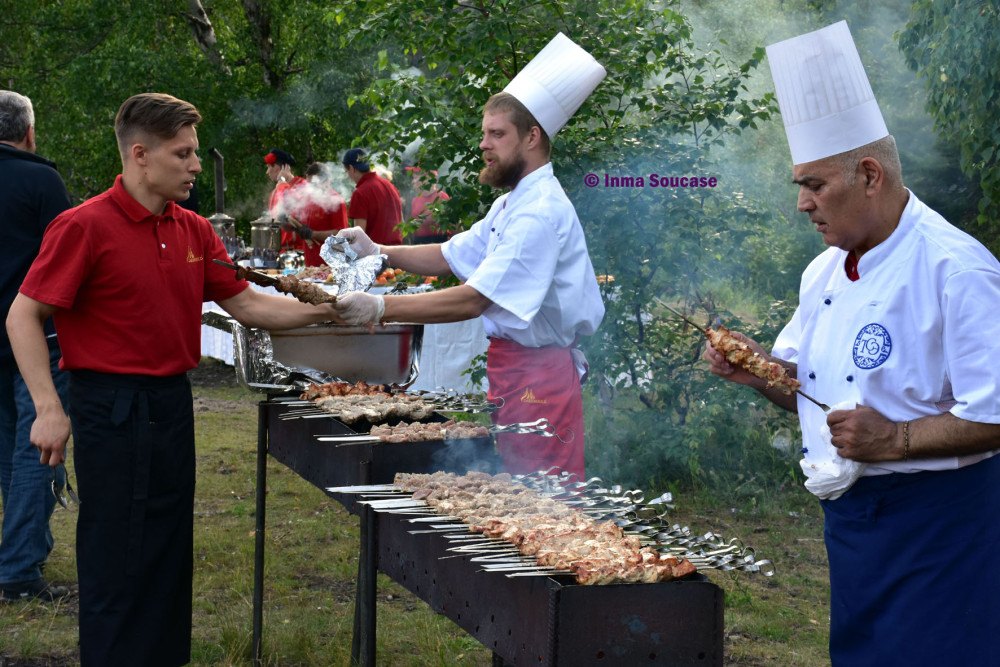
x=278, y=361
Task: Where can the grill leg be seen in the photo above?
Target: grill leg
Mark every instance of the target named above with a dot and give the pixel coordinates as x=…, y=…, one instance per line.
x=258, y=550
x=497, y=661
x=363, y=642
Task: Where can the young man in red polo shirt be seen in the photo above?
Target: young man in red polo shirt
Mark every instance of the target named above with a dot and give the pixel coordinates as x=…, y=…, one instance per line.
x=376, y=206
x=124, y=275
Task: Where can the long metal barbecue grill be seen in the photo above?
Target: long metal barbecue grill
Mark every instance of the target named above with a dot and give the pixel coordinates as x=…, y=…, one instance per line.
x=523, y=614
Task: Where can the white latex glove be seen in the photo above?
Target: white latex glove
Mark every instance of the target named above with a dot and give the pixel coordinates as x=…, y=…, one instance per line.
x=360, y=243
x=828, y=474
x=361, y=307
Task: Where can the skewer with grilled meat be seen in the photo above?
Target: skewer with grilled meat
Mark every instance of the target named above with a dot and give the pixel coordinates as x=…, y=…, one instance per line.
x=421, y=431
x=555, y=535
x=739, y=354
x=303, y=291
x=314, y=391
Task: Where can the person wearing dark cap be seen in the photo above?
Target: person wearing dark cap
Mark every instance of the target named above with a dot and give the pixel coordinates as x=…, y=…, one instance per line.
x=279, y=170
x=375, y=206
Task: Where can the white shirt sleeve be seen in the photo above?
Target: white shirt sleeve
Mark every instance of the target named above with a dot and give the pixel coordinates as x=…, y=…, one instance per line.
x=786, y=346
x=971, y=329
x=518, y=271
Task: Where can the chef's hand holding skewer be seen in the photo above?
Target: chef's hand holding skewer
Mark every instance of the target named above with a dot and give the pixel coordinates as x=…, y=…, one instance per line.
x=734, y=373
x=361, y=308
x=360, y=243
x=721, y=367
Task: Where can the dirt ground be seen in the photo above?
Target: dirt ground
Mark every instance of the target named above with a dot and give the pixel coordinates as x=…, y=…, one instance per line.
x=211, y=373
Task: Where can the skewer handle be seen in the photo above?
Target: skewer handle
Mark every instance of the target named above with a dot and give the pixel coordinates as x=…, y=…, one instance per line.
x=822, y=406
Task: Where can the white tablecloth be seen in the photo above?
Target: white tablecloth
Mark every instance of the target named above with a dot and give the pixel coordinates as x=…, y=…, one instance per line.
x=448, y=349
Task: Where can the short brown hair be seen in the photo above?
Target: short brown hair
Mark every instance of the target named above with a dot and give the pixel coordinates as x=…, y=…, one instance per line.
x=522, y=119
x=156, y=114
x=882, y=150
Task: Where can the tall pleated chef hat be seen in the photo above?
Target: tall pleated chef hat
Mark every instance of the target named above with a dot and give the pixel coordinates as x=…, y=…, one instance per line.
x=556, y=82
x=826, y=101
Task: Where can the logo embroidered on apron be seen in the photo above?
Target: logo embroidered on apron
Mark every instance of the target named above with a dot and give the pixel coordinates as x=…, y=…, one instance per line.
x=529, y=397
x=872, y=346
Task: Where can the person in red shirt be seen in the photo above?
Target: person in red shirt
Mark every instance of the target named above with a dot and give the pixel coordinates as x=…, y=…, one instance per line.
x=317, y=211
x=375, y=206
x=279, y=170
x=124, y=276
x=429, y=232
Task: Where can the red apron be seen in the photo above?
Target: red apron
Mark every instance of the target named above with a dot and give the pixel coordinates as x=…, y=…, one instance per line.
x=533, y=383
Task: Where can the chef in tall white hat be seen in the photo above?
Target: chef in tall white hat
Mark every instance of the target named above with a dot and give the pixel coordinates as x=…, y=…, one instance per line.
x=896, y=324
x=525, y=266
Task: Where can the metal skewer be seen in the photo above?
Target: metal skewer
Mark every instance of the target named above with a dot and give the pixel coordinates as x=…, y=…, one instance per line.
x=822, y=406
x=681, y=315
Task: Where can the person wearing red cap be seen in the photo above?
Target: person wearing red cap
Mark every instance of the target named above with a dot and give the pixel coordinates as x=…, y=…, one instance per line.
x=279, y=170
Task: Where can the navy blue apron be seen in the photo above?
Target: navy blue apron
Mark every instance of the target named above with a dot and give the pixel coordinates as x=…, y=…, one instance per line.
x=913, y=569
x=133, y=449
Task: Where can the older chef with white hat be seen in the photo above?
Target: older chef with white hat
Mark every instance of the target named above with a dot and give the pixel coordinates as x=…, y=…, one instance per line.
x=525, y=265
x=897, y=323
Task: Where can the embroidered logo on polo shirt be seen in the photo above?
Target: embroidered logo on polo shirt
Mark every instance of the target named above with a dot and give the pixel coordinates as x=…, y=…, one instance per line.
x=529, y=397
x=192, y=258
x=872, y=346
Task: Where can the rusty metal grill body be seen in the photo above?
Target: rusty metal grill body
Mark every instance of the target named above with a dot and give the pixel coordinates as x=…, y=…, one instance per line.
x=293, y=443
x=535, y=620
x=551, y=620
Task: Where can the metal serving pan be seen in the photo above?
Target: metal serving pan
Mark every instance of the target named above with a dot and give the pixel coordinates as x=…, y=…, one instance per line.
x=282, y=361
x=353, y=353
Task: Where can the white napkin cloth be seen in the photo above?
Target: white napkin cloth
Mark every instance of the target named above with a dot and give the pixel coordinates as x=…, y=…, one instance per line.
x=828, y=474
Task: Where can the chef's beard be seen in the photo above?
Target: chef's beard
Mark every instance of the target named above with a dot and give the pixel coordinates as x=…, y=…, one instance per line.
x=503, y=175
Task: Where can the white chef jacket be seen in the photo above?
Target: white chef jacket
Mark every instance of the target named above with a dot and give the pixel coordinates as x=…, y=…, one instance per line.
x=529, y=257
x=916, y=335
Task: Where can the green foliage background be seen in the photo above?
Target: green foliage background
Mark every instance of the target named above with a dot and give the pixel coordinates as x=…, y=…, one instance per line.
x=687, y=93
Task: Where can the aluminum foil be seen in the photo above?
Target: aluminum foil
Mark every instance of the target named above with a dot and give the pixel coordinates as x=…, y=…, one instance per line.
x=350, y=273
x=256, y=366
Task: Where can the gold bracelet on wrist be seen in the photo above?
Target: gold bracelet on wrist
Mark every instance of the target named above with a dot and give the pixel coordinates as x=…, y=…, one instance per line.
x=906, y=440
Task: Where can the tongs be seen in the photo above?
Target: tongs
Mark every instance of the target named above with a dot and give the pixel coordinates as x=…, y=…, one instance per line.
x=822, y=406
x=57, y=489
x=538, y=427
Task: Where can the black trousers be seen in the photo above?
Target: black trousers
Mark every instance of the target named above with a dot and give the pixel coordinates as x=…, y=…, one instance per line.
x=133, y=449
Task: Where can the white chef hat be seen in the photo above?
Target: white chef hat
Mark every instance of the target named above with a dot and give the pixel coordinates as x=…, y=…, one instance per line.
x=556, y=82
x=826, y=101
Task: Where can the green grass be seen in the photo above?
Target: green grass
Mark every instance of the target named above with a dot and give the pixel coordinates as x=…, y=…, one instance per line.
x=312, y=560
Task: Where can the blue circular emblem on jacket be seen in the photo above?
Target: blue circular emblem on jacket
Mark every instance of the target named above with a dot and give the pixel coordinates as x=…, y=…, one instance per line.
x=872, y=346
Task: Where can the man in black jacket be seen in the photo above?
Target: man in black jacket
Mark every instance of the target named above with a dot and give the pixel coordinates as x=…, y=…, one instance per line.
x=31, y=194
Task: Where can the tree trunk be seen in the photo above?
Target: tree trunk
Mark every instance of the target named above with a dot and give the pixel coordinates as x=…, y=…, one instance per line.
x=260, y=30
x=204, y=34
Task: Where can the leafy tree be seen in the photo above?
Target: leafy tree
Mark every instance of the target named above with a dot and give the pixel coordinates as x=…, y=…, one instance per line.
x=662, y=107
x=263, y=74
x=955, y=48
